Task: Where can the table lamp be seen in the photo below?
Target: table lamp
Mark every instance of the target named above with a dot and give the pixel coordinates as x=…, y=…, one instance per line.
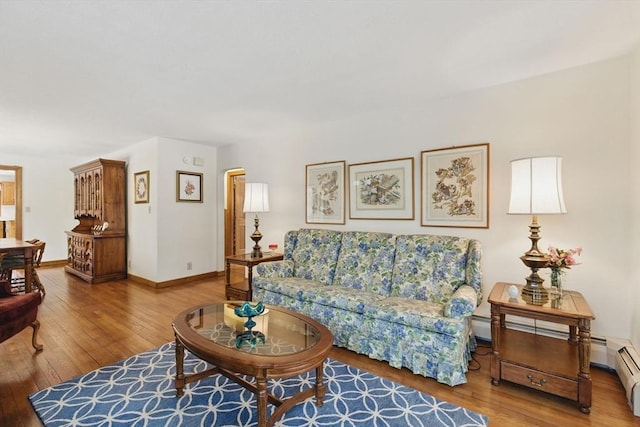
x=256, y=199
x=536, y=189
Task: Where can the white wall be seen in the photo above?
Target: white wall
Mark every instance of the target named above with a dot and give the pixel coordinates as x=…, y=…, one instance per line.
x=142, y=219
x=47, y=193
x=163, y=235
x=581, y=114
x=634, y=281
x=186, y=231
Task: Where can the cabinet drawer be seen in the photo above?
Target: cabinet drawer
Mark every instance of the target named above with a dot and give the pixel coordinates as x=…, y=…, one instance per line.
x=539, y=380
x=237, y=294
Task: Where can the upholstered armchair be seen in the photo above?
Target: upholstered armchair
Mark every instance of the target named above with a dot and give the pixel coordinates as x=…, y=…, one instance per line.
x=17, y=311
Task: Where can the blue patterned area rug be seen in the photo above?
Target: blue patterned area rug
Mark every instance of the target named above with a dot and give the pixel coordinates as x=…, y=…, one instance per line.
x=139, y=391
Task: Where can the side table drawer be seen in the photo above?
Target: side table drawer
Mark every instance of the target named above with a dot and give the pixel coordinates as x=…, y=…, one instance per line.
x=539, y=380
x=237, y=294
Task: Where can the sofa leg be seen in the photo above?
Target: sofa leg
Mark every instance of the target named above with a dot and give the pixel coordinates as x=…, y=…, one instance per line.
x=34, y=340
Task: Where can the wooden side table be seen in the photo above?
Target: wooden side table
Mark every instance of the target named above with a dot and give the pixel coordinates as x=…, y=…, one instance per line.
x=543, y=363
x=236, y=293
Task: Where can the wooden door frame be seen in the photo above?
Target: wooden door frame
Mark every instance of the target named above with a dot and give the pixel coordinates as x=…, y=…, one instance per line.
x=18, y=180
x=228, y=211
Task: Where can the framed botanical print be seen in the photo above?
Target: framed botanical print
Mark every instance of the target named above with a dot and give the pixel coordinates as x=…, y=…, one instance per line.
x=141, y=187
x=325, y=193
x=455, y=187
x=188, y=186
x=382, y=190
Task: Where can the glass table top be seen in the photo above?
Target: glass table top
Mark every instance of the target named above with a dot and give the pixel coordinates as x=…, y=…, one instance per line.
x=284, y=333
x=564, y=302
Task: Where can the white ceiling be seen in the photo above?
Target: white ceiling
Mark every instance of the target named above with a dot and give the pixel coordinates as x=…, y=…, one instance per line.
x=89, y=77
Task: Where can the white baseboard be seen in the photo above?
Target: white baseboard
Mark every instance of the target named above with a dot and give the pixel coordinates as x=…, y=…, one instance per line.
x=599, y=356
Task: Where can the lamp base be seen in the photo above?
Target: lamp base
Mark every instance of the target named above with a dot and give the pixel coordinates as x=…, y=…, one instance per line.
x=535, y=295
x=533, y=292
x=256, y=236
x=256, y=252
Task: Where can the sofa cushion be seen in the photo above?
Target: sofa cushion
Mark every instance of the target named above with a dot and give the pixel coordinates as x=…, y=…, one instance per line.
x=293, y=287
x=290, y=242
x=353, y=300
x=316, y=254
x=423, y=315
x=272, y=269
x=366, y=261
x=429, y=268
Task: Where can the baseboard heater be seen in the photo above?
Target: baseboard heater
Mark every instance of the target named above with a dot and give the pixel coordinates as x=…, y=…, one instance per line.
x=628, y=368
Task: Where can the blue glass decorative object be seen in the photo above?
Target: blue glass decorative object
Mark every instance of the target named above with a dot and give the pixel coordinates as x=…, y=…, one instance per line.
x=249, y=337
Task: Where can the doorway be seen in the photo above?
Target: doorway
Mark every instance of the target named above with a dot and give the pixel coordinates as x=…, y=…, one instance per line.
x=11, y=201
x=234, y=220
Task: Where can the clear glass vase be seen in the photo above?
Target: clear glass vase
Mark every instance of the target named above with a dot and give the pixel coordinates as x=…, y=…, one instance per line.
x=557, y=278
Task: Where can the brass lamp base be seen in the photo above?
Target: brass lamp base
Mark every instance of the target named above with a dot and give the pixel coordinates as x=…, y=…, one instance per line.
x=256, y=236
x=533, y=292
x=257, y=250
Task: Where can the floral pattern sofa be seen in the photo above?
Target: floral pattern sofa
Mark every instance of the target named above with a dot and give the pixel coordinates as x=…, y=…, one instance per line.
x=406, y=299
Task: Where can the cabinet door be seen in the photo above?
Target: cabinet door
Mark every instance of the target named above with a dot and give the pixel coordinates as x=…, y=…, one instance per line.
x=82, y=193
x=8, y=193
x=76, y=197
x=96, y=192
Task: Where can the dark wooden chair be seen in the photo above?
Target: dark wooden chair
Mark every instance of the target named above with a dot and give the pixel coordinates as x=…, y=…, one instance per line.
x=17, y=311
x=9, y=264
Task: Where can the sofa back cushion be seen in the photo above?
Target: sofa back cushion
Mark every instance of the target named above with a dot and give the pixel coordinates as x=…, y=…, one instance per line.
x=429, y=268
x=290, y=242
x=316, y=254
x=366, y=261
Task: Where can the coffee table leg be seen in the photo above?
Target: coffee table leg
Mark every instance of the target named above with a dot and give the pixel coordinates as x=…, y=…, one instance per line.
x=261, y=384
x=179, y=368
x=320, y=390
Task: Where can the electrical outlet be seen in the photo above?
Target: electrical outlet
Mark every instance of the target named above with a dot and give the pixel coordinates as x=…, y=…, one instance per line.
x=189, y=265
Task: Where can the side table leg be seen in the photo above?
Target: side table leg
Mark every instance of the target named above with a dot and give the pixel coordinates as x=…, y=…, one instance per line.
x=179, y=368
x=573, y=334
x=497, y=321
x=227, y=276
x=250, y=282
x=584, y=355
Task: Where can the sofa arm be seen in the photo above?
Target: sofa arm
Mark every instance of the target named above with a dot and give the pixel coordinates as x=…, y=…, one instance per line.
x=282, y=268
x=462, y=303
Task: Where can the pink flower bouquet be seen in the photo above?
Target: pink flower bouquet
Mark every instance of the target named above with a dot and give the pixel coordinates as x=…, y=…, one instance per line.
x=560, y=258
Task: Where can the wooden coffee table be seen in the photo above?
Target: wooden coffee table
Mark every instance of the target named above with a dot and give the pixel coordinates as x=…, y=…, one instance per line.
x=294, y=344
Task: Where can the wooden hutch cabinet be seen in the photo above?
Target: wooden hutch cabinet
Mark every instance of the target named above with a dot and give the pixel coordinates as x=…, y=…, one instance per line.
x=96, y=247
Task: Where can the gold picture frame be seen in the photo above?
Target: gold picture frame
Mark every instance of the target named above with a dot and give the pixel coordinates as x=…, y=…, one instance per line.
x=141, y=187
x=455, y=186
x=325, y=193
x=382, y=190
x=189, y=186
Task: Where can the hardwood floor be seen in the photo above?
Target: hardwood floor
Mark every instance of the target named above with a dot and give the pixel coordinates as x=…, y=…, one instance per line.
x=88, y=326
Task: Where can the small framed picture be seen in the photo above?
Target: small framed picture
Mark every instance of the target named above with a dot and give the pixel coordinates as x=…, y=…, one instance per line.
x=382, y=190
x=141, y=187
x=325, y=193
x=455, y=187
x=188, y=187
